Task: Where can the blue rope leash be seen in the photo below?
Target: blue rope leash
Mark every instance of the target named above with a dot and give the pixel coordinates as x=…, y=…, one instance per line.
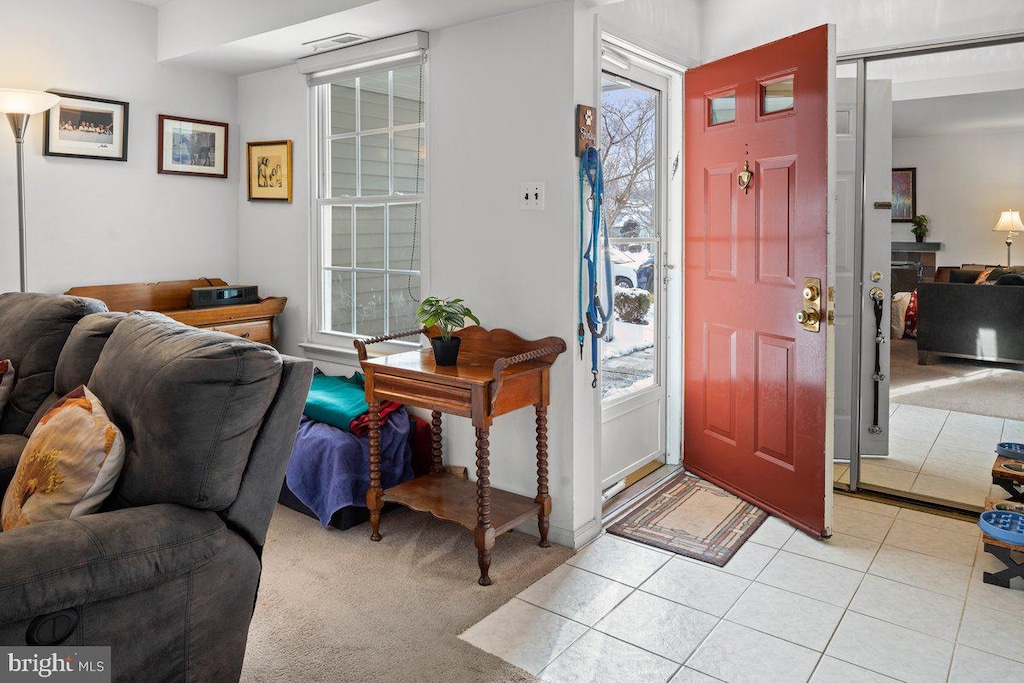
x=596, y=316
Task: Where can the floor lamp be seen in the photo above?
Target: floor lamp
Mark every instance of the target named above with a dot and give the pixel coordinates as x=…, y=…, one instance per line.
x=1009, y=222
x=19, y=105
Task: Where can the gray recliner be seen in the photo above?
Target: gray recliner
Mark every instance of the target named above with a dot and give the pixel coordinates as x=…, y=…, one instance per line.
x=33, y=330
x=167, y=573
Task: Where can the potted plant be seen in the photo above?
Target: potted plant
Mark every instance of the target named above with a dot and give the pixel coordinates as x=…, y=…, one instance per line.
x=448, y=315
x=920, y=228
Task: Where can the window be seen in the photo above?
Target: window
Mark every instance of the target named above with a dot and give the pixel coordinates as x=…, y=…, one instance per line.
x=372, y=158
x=722, y=109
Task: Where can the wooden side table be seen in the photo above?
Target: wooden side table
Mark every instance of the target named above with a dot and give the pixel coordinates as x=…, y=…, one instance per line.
x=498, y=372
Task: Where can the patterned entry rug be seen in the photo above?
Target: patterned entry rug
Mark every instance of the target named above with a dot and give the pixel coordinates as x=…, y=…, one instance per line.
x=691, y=517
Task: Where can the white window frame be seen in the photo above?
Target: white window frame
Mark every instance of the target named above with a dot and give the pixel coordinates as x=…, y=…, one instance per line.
x=324, y=343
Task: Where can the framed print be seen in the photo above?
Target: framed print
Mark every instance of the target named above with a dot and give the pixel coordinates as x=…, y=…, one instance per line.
x=270, y=170
x=904, y=194
x=86, y=128
x=192, y=147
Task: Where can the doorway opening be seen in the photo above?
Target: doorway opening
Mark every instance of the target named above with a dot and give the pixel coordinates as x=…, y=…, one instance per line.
x=640, y=128
x=931, y=153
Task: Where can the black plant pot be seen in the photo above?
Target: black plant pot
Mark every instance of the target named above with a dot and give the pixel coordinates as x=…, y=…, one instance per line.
x=446, y=352
x=919, y=238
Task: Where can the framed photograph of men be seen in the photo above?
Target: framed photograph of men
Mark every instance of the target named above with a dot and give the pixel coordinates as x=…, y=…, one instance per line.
x=87, y=128
x=270, y=170
x=192, y=147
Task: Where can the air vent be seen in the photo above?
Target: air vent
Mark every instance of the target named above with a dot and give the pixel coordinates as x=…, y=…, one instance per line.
x=332, y=42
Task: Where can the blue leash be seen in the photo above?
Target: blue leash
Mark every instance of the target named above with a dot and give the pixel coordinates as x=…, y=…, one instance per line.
x=597, y=318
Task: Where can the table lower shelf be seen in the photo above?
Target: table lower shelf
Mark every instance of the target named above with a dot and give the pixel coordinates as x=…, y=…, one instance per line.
x=453, y=499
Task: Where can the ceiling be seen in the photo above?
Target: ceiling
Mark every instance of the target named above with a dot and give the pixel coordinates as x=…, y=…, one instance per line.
x=984, y=112
x=152, y=3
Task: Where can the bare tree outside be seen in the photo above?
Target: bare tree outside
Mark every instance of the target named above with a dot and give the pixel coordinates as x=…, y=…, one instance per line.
x=628, y=143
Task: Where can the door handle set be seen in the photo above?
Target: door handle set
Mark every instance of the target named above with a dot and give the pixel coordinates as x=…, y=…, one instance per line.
x=810, y=315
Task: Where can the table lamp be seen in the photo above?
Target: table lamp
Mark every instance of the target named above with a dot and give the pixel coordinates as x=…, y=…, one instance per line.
x=19, y=105
x=1009, y=222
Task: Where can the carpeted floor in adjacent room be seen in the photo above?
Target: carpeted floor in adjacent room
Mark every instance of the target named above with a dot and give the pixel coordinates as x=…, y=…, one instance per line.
x=334, y=606
x=946, y=383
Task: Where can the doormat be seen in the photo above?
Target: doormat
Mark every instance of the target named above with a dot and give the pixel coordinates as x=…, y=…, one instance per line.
x=691, y=517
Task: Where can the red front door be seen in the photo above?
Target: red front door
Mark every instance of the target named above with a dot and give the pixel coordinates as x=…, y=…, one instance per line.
x=756, y=412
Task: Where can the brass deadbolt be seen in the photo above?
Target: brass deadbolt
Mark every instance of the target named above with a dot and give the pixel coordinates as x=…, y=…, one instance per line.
x=807, y=316
x=811, y=293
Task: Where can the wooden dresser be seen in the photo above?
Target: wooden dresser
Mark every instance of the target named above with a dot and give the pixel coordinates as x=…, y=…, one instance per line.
x=172, y=298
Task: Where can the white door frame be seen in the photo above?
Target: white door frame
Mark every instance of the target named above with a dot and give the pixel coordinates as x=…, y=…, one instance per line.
x=671, y=200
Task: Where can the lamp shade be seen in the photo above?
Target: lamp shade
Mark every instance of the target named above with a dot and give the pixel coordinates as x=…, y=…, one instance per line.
x=1009, y=221
x=26, y=101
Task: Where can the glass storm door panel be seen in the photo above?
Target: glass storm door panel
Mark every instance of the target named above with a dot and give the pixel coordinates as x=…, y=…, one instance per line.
x=632, y=361
x=758, y=360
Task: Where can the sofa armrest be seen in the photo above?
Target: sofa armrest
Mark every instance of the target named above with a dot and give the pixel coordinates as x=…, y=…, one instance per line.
x=51, y=566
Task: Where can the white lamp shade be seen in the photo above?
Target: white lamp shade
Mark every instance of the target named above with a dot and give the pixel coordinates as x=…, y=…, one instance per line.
x=1009, y=221
x=26, y=101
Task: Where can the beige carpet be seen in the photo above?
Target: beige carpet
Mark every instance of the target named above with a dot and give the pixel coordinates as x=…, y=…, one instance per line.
x=968, y=386
x=334, y=606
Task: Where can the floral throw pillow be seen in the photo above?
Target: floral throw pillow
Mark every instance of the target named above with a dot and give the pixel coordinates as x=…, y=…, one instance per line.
x=69, y=466
x=6, y=382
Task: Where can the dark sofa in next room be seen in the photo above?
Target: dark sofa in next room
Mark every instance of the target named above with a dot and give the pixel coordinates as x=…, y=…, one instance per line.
x=983, y=322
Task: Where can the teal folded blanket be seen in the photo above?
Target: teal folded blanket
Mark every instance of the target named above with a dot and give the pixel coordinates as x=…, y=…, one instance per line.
x=336, y=400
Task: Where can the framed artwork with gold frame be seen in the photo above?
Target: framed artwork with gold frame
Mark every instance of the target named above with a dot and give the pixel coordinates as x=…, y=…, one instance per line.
x=270, y=170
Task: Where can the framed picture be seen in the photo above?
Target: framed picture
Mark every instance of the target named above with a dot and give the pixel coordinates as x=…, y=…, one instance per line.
x=87, y=128
x=192, y=147
x=270, y=170
x=904, y=195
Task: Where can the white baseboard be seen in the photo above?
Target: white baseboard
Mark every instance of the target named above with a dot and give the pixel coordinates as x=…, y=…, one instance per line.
x=565, y=537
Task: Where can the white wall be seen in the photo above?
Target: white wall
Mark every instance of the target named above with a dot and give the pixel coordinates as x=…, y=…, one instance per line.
x=501, y=105
x=670, y=29
x=94, y=222
x=963, y=182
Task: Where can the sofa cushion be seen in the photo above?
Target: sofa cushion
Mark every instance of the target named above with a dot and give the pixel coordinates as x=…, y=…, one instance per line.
x=190, y=403
x=68, y=467
x=33, y=329
x=6, y=381
x=11, y=446
x=1012, y=279
x=963, y=276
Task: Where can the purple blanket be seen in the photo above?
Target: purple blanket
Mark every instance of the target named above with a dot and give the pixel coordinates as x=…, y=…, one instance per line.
x=330, y=468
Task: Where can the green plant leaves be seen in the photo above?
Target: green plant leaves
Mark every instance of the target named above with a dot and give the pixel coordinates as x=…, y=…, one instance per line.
x=448, y=315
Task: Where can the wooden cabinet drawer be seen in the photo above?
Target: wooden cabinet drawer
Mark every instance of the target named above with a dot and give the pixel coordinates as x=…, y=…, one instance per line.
x=448, y=399
x=256, y=330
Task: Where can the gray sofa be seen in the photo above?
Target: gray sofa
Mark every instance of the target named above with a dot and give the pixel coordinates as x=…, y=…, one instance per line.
x=167, y=573
x=983, y=322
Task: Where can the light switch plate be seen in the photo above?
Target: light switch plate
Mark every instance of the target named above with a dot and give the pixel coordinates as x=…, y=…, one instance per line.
x=531, y=196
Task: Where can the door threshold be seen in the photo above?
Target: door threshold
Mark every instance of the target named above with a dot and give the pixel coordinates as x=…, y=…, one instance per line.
x=621, y=501
x=901, y=500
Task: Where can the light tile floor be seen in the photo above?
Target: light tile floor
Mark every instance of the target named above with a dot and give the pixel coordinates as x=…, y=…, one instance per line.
x=896, y=594
x=938, y=455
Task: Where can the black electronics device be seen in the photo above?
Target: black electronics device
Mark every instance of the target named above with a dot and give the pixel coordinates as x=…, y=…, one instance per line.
x=228, y=295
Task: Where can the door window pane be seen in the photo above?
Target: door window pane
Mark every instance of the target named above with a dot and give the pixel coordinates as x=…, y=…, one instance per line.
x=373, y=169
x=722, y=109
x=629, y=360
x=777, y=96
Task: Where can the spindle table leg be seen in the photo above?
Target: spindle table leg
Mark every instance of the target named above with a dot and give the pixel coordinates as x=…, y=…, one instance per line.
x=484, y=535
x=375, y=495
x=543, y=499
x=437, y=466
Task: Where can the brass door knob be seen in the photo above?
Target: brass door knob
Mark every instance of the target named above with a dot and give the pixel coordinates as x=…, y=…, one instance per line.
x=807, y=316
x=811, y=293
